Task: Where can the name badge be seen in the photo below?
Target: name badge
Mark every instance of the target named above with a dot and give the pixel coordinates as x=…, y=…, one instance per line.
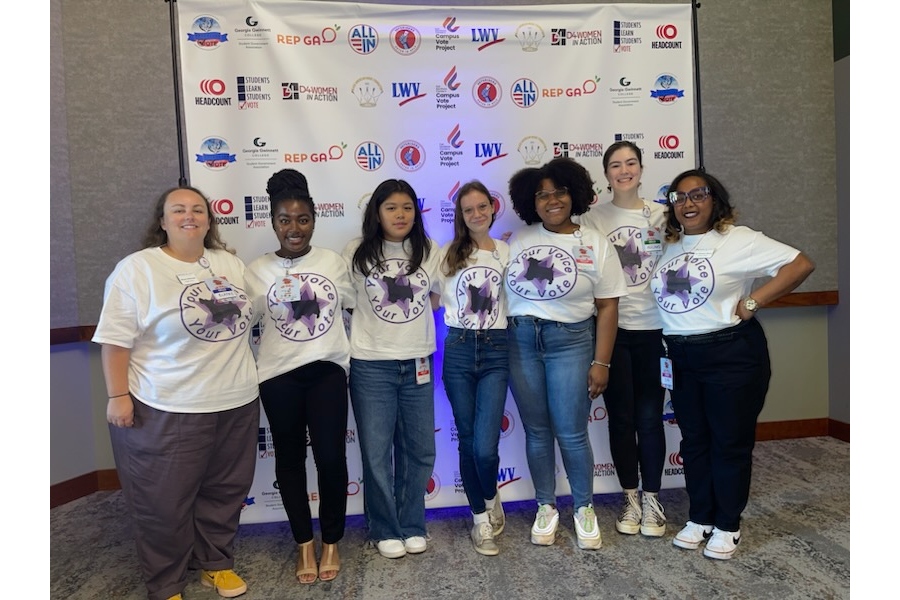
x=665, y=373
x=220, y=288
x=584, y=258
x=287, y=289
x=423, y=370
x=187, y=278
x=651, y=239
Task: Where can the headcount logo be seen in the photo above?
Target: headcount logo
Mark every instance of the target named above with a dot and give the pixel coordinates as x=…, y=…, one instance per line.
x=625, y=35
x=669, y=148
x=222, y=209
x=206, y=33
x=213, y=90
x=667, y=33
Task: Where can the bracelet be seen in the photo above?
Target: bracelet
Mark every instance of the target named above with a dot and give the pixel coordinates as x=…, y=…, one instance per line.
x=119, y=395
x=602, y=364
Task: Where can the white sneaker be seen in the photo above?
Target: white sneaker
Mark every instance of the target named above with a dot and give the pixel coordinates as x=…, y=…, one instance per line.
x=496, y=515
x=722, y=544
x=653, y=519
x=483, y=539
x=391, y=548
x=629, y=520
x=692, y=535
x=415, y=544
x=586, y=528
x=543, y=532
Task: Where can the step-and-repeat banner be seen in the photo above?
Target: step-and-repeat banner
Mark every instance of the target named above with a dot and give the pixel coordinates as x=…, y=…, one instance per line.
x=353, y=94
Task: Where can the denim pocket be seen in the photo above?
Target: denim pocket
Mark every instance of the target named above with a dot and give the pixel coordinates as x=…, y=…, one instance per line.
x=580, y=327
x=498, y=340
x=454, y=337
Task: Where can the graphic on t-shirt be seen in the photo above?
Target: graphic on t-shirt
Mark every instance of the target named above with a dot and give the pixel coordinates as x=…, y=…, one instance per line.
x=542, y=273
x=395, y=296
x=309, y=317
x=478, y=297
x=637, y=265
x=214, y=320
x=683, y=283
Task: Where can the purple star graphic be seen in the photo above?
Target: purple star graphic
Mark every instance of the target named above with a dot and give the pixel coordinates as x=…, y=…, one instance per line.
x=398, y=290
x=679, y=283
x=538, y=272
x=481, y=302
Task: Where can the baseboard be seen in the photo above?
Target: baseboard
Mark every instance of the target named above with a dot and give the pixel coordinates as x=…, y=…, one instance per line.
x=107, y=479
x=84, y=485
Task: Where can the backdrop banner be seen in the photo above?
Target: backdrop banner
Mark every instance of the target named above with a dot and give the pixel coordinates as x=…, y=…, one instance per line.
x=353, y=94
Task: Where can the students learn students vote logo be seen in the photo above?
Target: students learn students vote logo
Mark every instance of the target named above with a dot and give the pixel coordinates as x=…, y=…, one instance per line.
x=214, y=320
x=311, y=315
x=478, y=297
x=542, y=273
x=395, y=296
x=683, y=283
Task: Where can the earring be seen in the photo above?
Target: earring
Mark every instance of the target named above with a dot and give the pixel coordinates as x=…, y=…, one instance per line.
x=609, y=188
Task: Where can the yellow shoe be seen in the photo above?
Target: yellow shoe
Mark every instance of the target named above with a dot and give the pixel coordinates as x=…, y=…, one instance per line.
x=226, y=582
x=176, y=597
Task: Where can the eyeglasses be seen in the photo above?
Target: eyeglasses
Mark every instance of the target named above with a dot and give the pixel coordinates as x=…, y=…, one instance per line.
x=558, y=193
x=697, y=196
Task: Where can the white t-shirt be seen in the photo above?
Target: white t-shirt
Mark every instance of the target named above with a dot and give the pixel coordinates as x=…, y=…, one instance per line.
x=625, y=229
x=189, y=352
x=301, y=304
x=557, y=276
x=701, y=278
x=393, y=318
x=473, y=297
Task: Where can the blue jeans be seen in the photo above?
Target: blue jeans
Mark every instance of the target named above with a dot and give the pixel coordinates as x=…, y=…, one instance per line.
x=476, y=374
x=548, y=368
x=395, y=418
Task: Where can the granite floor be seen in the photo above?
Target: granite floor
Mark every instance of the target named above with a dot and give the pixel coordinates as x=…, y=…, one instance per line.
x=796, y=544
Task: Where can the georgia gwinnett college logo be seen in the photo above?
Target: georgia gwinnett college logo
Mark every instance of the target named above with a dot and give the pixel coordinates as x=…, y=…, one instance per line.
x=683, y=284
x=309, y=317
x=214, y=320
x=395, y=296
x=542, y=273
x=478, y=295
x=637, y=265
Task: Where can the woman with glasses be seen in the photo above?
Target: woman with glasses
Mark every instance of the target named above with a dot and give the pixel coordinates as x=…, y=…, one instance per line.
x=563, y=285
x=634, y=398
x=718, y=359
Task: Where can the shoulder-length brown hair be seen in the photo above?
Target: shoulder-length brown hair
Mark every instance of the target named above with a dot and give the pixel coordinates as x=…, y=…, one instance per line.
x=462, y=246
x=156, y=236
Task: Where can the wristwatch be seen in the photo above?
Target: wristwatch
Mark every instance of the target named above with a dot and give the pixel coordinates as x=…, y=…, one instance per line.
x=751, y=304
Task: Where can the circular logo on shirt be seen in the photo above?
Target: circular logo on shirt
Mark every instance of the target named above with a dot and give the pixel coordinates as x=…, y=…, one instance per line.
x=683, y=283
x=212, y=320
x=542, y=273
x=311, y=315
x=395, y=296
x=478, y=297
x=637, y=265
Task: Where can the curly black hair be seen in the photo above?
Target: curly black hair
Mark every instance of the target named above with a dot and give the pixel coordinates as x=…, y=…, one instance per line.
x=561, y=171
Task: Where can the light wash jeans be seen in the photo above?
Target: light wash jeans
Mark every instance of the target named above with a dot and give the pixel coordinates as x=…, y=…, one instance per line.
x=476, y=375
x=395, y=418
x=548, y=368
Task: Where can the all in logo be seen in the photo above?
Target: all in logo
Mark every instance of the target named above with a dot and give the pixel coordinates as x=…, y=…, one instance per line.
x=478, y=297
x=683, y=284
x=211, y=320
x=214, y=154
x=530, y=36
x=367, y=91
x=410, y=155
x=363, y=39
x=309, y=317
x=405, y=39
x=395, y=296
x=487, y=92
x=637, y=265
x=665, y=89
x=206, y=33
x=542, y=273
x=524, y=93
x=369, y=156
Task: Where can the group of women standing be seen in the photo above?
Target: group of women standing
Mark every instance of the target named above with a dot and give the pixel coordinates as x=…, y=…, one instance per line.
x=583, y=301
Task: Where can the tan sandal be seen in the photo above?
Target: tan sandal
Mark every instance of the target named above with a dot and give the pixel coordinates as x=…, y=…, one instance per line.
x=330, y=564
x=306, y=562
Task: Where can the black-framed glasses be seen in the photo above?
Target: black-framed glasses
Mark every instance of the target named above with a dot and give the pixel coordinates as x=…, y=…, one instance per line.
x=558, y=193
x=697, y=196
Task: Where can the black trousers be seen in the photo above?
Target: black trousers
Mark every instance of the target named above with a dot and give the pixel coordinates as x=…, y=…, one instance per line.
x=313, y=396
x=720, y=385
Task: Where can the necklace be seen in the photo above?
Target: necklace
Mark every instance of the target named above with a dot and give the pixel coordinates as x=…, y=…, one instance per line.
x=695, y=250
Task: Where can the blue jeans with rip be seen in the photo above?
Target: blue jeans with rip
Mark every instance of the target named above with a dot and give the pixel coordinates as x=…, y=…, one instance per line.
x=395, y=418
x=548, y=367
x=476, y=376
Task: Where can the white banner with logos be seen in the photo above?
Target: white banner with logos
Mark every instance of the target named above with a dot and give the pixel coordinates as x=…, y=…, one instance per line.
x=352, y=94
